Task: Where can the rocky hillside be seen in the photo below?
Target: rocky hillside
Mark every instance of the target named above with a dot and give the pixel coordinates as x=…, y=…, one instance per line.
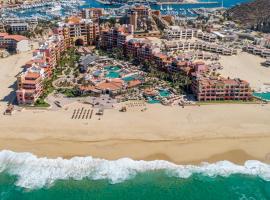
x=255, y=14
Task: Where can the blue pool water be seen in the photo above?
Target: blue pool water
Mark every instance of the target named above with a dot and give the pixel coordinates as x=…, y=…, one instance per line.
x=164, y=93
x=152, y=100
x=128, y=78
x=112, y=74
x=263, y=96
x=113, y=71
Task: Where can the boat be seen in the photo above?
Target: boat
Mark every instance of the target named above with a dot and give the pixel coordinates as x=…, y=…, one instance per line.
x=161, y=7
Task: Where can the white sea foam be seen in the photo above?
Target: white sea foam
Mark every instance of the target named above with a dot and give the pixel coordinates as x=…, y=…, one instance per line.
x=34, y=172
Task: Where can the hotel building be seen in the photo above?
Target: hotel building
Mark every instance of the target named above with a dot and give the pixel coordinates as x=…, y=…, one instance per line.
x=44, y=59
x=116, y=37
x=18, y=27
x=137, y=12
x=179, y=33
x=219, y=88
x=20, y=24
x=209, y=37
x=258, y=50
x=140, y=17
x=29, y=86
x=78, y=31
x=171, y=46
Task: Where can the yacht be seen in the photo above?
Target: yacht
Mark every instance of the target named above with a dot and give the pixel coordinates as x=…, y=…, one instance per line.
x=54, y=9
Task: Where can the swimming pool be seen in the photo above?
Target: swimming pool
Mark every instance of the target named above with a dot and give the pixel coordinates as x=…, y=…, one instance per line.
x=263, y=96
x=113, y=74
x=112, y=68
x=164, y=93
x=128, y=78
x=152, y=100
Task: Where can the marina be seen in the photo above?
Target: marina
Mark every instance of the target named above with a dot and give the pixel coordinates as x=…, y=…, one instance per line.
x=59, y=9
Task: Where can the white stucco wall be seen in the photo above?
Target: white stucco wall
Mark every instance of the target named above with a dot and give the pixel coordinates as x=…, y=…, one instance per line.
x=23, y=46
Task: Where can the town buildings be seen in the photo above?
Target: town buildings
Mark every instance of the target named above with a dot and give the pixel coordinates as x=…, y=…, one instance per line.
x=141, y=18
x=20, y=24
x=209, y=37
x=14, y=43
x=13, y=2
x=92, y=13
x=257, y=50
x=137, y=12
x=226, y=36
x=18, y=27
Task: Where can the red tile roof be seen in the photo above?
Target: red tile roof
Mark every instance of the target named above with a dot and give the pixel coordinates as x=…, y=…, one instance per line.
x=113, y=85
x=134, y=83
x=32, y=75
x=18, y=38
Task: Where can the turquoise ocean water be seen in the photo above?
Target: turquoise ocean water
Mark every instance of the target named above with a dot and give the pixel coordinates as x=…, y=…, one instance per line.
x=150, y=186
x=24, y=176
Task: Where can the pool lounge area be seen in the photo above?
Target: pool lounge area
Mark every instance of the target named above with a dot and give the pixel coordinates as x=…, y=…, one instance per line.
x=112, y=68
x=128, y=78
x=263, y=96
x=152, y=100
x=112, y=72
x=164, y=93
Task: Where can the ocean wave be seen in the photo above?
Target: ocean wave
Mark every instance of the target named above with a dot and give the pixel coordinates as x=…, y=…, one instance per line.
x=34, y=172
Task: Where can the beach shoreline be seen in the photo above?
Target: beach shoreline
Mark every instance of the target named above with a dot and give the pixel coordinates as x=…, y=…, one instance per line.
x=178, y=152
x=179, y=135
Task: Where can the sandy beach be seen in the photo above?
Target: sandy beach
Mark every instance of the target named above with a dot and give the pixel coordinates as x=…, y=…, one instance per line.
x=182, y=135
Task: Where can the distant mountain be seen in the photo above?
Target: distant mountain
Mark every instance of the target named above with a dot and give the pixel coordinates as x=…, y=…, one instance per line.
x=255, y=15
